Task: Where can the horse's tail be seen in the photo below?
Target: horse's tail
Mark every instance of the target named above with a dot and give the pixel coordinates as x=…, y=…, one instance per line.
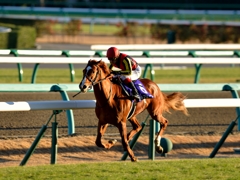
x=175, y=101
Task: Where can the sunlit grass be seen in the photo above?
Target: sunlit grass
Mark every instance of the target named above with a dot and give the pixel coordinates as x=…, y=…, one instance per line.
x=187, y=169
x=208, y=75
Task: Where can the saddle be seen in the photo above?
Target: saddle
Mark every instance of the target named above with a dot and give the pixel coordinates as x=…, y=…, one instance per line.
x=143, y=93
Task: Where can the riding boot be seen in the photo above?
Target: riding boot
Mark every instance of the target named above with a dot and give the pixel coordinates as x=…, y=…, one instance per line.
x=134, y=91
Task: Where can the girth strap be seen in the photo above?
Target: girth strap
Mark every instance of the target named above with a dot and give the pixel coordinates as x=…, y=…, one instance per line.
x=132, y=109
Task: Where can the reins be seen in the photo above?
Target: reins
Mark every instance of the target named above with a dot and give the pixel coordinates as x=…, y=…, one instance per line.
x=99, y=81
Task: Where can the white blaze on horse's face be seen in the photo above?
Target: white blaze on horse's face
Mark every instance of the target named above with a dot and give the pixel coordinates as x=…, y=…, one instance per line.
x=82, y=85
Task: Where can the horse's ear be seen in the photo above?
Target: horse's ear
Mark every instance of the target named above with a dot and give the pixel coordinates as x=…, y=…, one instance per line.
x=99, y=61
x=90, y=61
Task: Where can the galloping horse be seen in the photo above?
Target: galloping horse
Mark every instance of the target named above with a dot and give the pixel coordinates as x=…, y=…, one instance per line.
x=113, y=106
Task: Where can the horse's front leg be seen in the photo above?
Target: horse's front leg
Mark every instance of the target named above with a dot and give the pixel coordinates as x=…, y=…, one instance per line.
x=100, y=132
x=163, y=126
x=122, y=127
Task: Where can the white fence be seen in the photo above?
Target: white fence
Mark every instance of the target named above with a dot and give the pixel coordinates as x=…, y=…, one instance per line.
x=169, y=46
x=155, y=60
x=89, y=104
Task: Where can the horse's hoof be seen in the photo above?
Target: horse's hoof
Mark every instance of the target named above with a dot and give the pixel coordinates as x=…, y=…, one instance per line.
x=159, y=149
x=113, y=141
x=134, y=159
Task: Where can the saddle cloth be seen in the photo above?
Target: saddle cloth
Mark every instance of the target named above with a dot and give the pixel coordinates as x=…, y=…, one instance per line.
x=143, y=93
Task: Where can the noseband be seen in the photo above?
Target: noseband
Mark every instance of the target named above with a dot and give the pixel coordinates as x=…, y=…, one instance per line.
x=93, y=81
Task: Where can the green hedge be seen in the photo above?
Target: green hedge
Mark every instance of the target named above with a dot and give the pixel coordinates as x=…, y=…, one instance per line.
x=26, y=37
x=21, y=37
x=4, y=40
x=203, y=33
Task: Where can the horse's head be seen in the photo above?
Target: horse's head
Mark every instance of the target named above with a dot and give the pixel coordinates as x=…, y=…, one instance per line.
x=93, y=73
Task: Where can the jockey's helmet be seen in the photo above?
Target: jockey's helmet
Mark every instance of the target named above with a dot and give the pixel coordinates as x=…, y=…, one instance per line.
x=112, y=53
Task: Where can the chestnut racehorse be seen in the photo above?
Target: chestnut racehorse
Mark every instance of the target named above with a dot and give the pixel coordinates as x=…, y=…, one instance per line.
x=113, y=106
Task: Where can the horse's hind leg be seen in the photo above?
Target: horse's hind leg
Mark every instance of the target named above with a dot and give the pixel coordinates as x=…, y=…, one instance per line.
x=100, y=132
x=136, y=128
x=163, y=125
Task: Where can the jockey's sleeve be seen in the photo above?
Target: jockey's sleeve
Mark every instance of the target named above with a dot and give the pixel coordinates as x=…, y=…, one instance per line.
x=111, y=66
x=128, y=66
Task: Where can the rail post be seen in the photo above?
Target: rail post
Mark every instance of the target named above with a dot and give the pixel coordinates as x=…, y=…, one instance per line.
x=40, y=135
x=35, y=143
x=34, y=74
x=152, y=72
x=69, y=112
x=71, y=67
x=197, y=67
x=54, y=140
x=234, y=91
x=151, y=150
x=19, y=65
x=221, y=141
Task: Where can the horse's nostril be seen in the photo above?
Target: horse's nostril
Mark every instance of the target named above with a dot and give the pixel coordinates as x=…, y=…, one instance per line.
x=84, y=86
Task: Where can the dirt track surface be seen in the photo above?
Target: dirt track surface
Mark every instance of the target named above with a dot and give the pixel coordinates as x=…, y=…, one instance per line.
x=193, y=136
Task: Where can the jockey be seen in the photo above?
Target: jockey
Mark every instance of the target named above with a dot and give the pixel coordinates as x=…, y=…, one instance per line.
x=130, y=70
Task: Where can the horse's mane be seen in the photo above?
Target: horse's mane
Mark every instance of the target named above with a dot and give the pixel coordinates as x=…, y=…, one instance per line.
x=101, y=64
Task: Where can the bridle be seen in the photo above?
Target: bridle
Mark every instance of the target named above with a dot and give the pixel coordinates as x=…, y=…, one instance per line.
x=94, y=80
x=99, y=81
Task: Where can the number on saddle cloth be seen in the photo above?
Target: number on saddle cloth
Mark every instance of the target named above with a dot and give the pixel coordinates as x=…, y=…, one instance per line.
x=143, y=93
x=142, y=90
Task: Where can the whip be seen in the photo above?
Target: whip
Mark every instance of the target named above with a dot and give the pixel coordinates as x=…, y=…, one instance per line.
x=76, y=94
